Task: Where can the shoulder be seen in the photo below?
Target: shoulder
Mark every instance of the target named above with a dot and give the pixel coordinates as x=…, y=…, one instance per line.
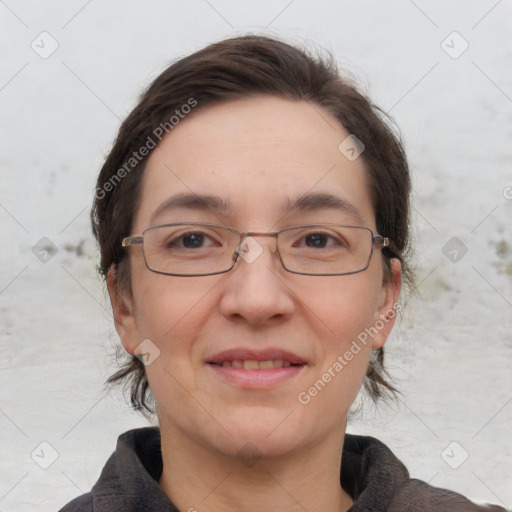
x=377, y=480
x=130, y=471
x=81, y=504
x=420, y=496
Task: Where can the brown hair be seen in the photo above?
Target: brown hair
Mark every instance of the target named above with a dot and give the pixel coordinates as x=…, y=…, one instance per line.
x=227, y=70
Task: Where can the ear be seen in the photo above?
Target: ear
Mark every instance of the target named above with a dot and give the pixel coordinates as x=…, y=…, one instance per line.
x=123, y=310
x=388, y=307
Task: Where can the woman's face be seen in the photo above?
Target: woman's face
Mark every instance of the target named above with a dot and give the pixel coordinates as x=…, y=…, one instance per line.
x=257, y=156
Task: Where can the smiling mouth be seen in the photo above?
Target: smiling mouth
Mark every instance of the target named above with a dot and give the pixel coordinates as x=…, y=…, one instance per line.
x=252, y=364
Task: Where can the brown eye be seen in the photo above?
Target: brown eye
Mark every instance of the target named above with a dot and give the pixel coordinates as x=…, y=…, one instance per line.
x=317, y=240
x=193, y=240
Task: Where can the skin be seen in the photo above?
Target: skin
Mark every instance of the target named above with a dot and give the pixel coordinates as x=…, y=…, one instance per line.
x=254, y=153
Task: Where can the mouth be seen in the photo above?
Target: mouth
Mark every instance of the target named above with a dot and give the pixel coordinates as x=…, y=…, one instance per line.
x=254, y=364
x=256, y=369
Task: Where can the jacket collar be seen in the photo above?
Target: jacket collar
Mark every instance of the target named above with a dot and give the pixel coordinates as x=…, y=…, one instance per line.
x=370, y=473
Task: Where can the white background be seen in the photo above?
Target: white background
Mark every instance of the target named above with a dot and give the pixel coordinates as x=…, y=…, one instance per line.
x=452, y=354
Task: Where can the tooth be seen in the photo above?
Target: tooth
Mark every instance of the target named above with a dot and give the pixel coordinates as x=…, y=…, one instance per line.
x=286, y=363
x=237, y=363
x=266, y=365
x=226, y=363
x=278, y=363
x=250, y=364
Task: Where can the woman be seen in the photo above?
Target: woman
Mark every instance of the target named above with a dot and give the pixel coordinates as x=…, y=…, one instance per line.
x=252, y=219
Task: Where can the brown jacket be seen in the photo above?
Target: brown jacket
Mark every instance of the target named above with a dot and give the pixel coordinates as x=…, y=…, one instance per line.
x=370, y=473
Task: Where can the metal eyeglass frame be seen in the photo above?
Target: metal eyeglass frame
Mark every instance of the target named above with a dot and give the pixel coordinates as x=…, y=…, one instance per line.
x=377, y=241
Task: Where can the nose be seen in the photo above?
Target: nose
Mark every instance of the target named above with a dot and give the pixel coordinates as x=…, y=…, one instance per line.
x=255, y=290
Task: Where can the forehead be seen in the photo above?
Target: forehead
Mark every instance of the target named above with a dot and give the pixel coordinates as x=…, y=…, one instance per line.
x=257, y=155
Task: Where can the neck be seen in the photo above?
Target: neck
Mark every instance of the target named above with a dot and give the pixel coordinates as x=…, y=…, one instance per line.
x=196, y=478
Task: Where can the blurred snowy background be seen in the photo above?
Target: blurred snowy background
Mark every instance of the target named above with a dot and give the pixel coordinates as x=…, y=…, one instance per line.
x=72, y=70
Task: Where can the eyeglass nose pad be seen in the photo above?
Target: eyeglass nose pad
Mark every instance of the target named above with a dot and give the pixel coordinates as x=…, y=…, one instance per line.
x=240, y=250
x=249, y=250
x=237, y=253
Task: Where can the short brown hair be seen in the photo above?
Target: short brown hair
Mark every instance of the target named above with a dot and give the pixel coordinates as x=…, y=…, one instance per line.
x=228, y=70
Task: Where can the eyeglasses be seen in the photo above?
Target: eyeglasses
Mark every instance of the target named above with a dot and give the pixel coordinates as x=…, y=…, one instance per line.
x=196, y=249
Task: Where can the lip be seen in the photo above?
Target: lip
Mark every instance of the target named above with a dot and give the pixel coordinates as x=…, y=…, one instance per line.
x=256, y=379
x=256, y=355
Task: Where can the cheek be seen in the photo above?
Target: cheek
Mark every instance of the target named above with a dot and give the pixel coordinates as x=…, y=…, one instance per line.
x=171, y=313
x=344, y=304
x=344, y=314
x=171, y=309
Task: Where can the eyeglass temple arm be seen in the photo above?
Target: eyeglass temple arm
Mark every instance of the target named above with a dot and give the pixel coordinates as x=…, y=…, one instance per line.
x=381, y=241
x=132, y=240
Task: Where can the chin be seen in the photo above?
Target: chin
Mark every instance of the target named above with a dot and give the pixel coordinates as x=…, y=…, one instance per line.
x=262, y=432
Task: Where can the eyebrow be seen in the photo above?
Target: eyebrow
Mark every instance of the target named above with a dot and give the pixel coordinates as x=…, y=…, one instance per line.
x=305, y=202
x=321, y=201
x=190, y=201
